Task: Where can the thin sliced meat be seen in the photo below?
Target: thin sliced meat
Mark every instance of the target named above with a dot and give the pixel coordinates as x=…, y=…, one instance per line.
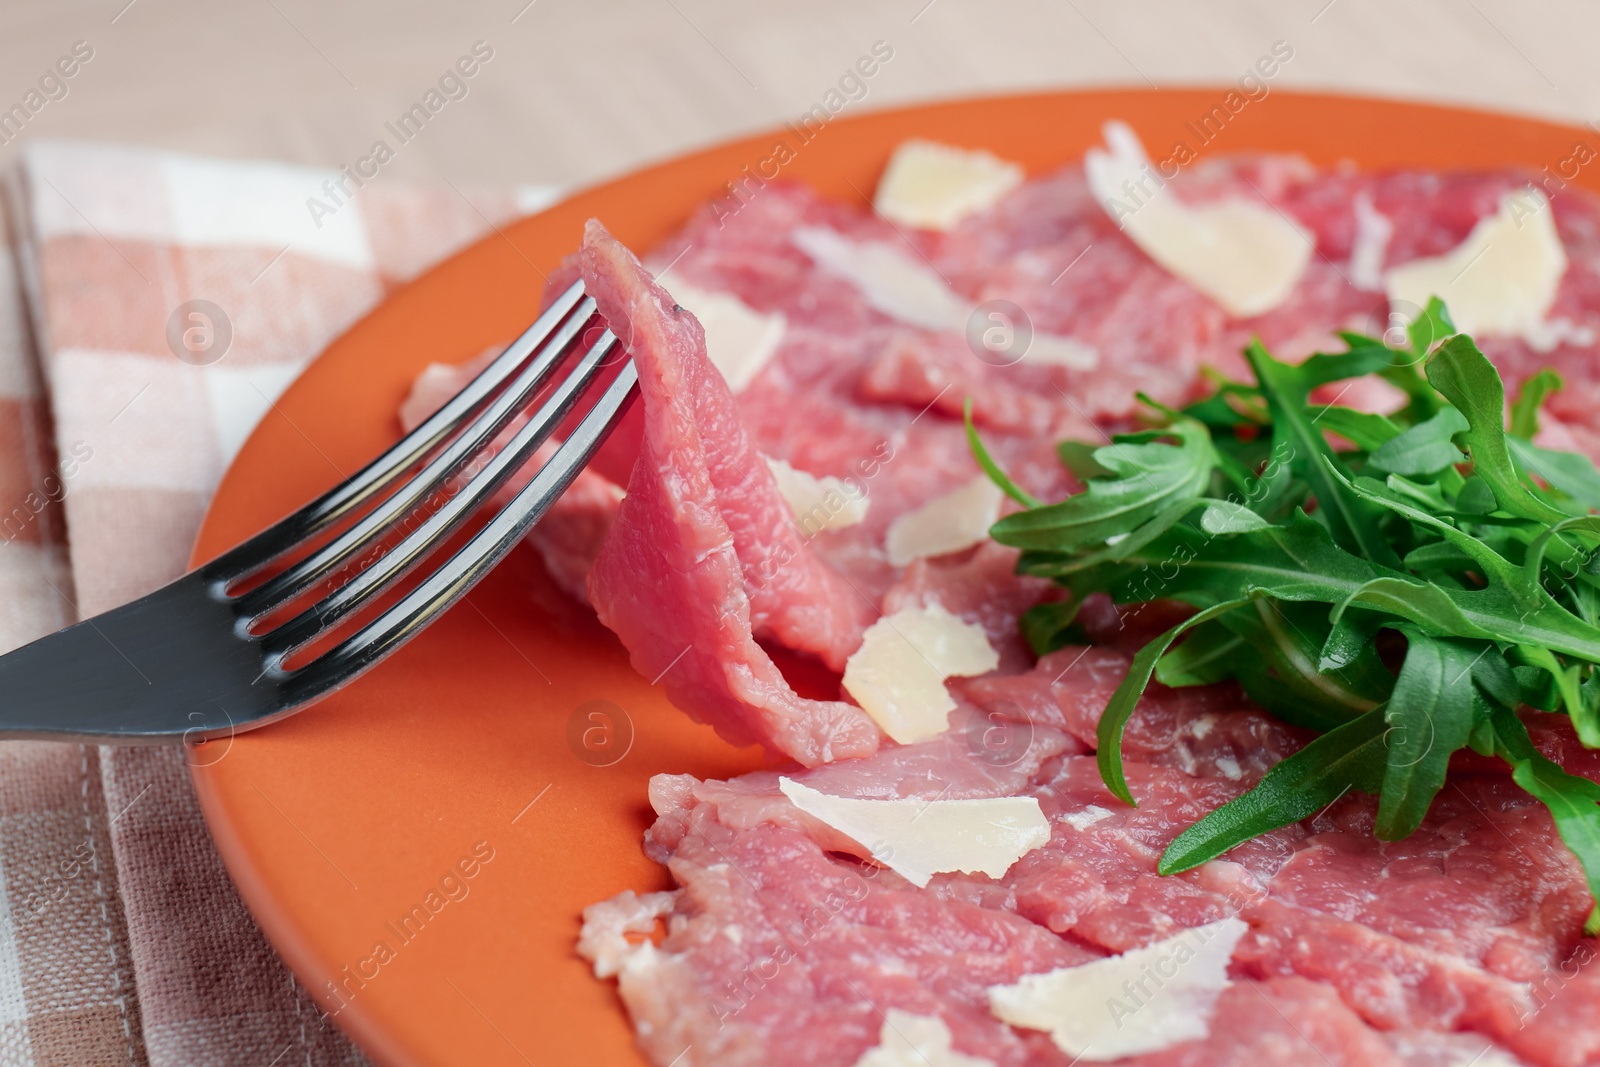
x=1210, y=731
x=703, y=551
x=779, y=952
x=1349, y=939
x=1283, y=1021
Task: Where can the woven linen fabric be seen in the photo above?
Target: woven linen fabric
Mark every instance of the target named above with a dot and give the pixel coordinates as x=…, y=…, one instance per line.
x=121, y=938
x=66, y=972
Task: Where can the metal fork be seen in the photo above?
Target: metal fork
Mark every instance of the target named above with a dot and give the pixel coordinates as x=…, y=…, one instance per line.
x=202, y=657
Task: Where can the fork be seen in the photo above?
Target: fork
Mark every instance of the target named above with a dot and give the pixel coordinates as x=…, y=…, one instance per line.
x=206, y=656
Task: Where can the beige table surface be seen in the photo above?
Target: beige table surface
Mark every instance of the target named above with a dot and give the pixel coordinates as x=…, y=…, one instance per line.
x=581, y=90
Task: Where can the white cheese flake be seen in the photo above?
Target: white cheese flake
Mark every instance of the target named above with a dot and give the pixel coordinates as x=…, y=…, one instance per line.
x=894, y=282
x=888, y=279
x=1144, y=1000
x=1371, y=244
x=739, y=339
x=1055, y=350
x=1489, y=1057
x=1245, y=255
x=1082, y=820
x=898, y=673
x=910, y=1040
x=919, y=838
x=1549, y=335
x=819, y=503
x=1501, y=280
x=933, y=186
x=959, y=519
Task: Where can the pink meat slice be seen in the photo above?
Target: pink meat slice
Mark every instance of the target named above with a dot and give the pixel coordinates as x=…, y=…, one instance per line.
x=703, y=552
x=812, y=405
x=780, y=951
x=1282, y=1021
x=1208, y=732
x=744, y=979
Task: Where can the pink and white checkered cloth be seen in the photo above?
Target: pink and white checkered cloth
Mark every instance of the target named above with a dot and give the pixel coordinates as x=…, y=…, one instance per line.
x=121, y=939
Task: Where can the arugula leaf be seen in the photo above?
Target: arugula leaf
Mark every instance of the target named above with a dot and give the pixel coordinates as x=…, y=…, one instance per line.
x=1362, y=428
x=1530, y=398
x=1574, y=802
x=1567, y=472
x=1352, y=523
x=1475, y=497
x=1123, y=701
x=1431, y=328
x=1494, y=676
x=1284, y=674
x=990, y=467
x=1568, y=684
x=1205, y=657
x=1078, y=457
x=1428, y=606
x=1352, y=635
x=1350, y=757
x=1147, y=476
x=1044, y=625
x=1522, y=611
x=1429, y=716
x=1228, y=517
x=1425, y=448
x=1301, y=533
x=1470, y=382
x=1298, y=562
x=1533, y=565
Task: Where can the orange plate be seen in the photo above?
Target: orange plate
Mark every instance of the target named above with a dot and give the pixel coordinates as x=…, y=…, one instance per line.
x=340, y=821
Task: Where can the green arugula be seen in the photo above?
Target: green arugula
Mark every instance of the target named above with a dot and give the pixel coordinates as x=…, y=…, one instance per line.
x=1400, y=584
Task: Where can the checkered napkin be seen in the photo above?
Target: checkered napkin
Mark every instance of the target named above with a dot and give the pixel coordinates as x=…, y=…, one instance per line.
x=121, y=938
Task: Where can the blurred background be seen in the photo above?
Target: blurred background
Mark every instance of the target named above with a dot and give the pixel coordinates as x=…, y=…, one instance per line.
x=578, y=91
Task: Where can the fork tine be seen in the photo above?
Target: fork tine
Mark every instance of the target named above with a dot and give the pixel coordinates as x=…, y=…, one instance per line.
x=300, y=577
x=339, y=501
x=462, y=571
x=282, y=640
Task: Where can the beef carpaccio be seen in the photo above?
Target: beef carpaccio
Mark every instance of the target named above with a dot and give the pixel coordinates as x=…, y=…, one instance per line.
x=785, y=940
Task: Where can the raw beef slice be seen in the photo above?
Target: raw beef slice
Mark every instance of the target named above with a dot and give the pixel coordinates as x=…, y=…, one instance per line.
x=703, y=551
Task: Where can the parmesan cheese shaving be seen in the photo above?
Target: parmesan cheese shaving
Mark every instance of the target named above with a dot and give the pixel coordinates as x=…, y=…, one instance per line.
x=739, y=339
x=887, y=278
x=918, y=838
x=950, y=523
x=1371, y=244
x=893, y=282
x=818, y=503
x=1501, y=280
x=898, y=673
x=1247, y=256
x=1082, y=820
x=1061, y=352
x=933, y=186
x=908, y=1040
x=1142, y=1001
